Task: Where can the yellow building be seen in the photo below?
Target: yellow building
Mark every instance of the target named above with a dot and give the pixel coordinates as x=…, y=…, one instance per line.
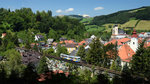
x=70, y=47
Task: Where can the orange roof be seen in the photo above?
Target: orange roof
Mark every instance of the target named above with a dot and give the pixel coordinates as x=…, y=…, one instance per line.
x=113, y=42
x=147, y=44
x=61, y=42
x=124, y=40
x=125, y=53
x=119, y=41
x=69, y=41
x=82, y=42
x=34, y=44
x=143, y=33
x=60, y=71
x=54, y=43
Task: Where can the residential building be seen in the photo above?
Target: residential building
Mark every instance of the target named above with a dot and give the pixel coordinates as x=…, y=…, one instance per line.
x=39, y=37
x=3, y=35
x=70, y=47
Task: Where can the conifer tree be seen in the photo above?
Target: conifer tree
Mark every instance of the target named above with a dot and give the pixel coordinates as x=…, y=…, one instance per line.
x=81, y=52
x=42, y=66
x=140, y=61
x=95, y=53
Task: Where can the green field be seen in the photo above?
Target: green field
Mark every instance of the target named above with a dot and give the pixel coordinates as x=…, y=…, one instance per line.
x=137, y=24
x=130, y=24
x=143, y=25
x=86, y=20
x=90, y=28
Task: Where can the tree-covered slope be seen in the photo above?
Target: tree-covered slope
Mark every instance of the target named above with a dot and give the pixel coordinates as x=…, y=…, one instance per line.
x=121, y=17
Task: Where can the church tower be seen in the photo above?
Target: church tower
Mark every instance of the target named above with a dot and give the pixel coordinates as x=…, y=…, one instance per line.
x=115, y=30
x=134, y=41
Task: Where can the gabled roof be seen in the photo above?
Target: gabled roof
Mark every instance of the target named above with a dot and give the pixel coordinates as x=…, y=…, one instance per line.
x=82, y=42
x=124, y=40
x=125, y=53
x=69, y=41
x=119, y=41
x=113, y=42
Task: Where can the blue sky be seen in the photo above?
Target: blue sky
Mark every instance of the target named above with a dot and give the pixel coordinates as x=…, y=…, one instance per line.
x=83, y=7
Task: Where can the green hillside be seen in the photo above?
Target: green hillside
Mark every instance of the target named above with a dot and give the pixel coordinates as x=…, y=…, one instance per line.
x=137, y=24
x=86, y=20
x=122, y=17
x=130, y=24
x=92, y=28
x=143, y=25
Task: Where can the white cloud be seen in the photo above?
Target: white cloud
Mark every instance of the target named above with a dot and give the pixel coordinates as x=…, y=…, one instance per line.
x=65, y=11
x=98, y=8
x=69, y=10
x=85, y=15
x=59, y=11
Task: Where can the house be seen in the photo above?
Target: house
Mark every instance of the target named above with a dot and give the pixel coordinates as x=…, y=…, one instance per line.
x=33, y=44
x=62, y=39
x=20, y=40
x=69, y=42
x=70, y=47
x=82, y=43
x=39, y=37
x=141, y=35
x=3, y=35
x=50, y=41
x=147, y=34
x=125, y=53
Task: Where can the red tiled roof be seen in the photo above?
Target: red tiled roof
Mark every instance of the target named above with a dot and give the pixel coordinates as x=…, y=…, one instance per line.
x=125, y=53
x=69, y=41
x=140, y=40
x=124, y=40
x=143, y=33
x=32, y=44
x=82, y=42
x=54, y=43
x=147, y=44
x=3, y=34
x=119, y=41
x=113, y=42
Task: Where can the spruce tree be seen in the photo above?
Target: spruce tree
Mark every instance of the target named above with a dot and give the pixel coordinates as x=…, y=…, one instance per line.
x=95, y=53
x=81, y=52
x=42, y=66
x=140, y=61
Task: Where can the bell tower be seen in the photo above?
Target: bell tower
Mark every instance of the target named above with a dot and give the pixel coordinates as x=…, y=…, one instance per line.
x=115, y=30
x=134, y=41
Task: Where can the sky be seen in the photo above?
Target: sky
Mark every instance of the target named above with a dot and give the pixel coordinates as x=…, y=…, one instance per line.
x=77, y=7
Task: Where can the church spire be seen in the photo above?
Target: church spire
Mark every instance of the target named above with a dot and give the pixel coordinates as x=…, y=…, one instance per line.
x=134, y=35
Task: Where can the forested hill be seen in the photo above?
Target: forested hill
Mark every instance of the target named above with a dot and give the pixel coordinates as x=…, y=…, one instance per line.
x=42, y=21
x=76, y=16
x=121, y=17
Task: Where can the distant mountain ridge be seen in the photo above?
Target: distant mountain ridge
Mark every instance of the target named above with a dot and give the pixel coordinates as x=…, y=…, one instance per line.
x=76, y=16
x=121, y=17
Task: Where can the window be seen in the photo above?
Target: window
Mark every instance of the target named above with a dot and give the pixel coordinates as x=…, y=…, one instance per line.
x=133, y=42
